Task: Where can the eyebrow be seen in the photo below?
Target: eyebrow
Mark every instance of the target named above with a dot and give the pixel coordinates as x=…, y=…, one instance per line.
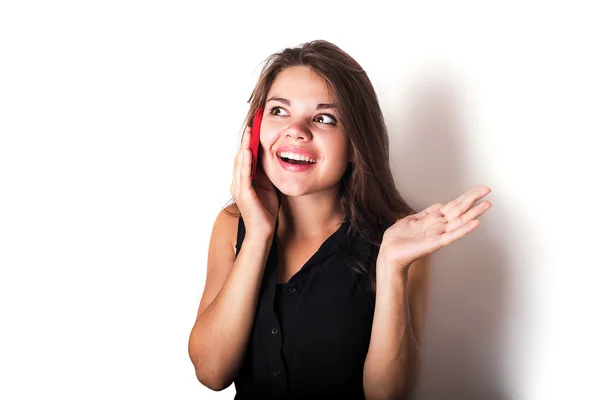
x=320, y=106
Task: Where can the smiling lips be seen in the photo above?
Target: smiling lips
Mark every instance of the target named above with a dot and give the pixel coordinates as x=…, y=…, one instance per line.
x=296, y=150
x=294, y=167
x=307, y=159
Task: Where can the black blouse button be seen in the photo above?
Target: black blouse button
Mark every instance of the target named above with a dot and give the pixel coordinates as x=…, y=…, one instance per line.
x=292, y=289
x=274, y=331
x=277, y=373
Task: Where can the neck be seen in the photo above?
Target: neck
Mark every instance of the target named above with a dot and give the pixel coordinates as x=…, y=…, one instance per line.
x=311, y=216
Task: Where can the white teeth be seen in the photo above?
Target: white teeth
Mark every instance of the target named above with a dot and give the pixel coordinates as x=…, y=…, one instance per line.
x=296, y=157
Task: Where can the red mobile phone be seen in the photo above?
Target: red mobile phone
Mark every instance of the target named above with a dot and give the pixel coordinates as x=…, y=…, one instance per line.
x=255, y=139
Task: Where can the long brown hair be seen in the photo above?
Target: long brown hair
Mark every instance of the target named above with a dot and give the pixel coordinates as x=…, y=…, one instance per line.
x=368, y=194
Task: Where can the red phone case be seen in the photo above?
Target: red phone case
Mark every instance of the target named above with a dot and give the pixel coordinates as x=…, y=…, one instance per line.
x=255, y=139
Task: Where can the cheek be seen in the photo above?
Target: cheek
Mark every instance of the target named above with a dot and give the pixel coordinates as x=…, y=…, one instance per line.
x=339, y=146
x=267, y=139
x=270, y=132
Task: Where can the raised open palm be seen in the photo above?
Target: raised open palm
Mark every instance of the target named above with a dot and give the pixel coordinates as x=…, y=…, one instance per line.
x=437, y=226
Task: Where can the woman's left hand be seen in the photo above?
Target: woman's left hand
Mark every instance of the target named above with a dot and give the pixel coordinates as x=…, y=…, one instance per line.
x=418, y=235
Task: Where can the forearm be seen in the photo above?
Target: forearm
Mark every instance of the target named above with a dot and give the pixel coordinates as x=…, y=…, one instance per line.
x=220, y=335
x=393, y=359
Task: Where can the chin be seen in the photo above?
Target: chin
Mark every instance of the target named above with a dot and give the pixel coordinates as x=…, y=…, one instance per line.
x=289, y=185
x=288, y=190
x=297, y=190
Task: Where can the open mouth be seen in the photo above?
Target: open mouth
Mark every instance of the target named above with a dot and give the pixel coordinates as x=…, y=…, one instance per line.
x=294, y=161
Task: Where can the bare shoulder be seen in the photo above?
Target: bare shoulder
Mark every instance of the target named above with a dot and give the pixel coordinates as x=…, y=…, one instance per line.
x=221, y=254
x=226, y=224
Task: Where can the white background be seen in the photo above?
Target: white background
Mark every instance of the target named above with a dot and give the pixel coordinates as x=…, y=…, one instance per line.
x=119, y=121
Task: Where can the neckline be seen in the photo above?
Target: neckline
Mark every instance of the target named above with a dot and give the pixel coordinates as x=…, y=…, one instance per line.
x=331, y=236
x=334, y=239
x=331, y=243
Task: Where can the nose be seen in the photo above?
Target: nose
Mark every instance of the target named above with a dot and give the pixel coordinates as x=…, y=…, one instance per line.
x=298, y=130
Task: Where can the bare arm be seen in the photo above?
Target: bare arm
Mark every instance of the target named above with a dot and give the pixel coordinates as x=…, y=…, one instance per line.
x=218, y=340
x=393, y=362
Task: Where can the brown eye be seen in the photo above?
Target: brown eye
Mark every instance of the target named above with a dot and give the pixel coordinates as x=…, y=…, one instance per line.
x=326, y=119
x=272, y=110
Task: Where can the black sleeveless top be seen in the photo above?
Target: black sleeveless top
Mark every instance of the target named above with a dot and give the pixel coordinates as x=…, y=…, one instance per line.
x=310, y=335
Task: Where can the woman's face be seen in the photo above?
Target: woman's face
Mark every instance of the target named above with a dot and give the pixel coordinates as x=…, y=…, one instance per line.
x=300, y=118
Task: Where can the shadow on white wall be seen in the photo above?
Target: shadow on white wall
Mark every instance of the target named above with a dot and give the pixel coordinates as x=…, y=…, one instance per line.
x=470, y=279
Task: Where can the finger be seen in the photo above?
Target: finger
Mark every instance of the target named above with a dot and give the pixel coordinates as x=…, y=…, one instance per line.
x=440, y=239
x=429, y=210
x=246, y=157
x=245, y=179
x=262, y=181
x=239, y=179
x=245, y=141
x=246, y=129
x=238, y=154
x=234, y=175
x=470, y=215
x=462, y=203
x=240, y=158
x=246, y=138
x=452, y=236
x=237, y=163
x=247, y=146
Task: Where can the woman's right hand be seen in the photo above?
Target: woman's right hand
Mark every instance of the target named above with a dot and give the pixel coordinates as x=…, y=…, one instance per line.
x=259, y=207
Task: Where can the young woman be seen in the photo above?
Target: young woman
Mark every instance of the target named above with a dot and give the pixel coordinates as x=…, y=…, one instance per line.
x=317, y=275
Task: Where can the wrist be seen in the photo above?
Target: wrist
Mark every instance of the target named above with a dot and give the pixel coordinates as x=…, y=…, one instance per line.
x=392, y=271
x=260, y=237
x=391, y=281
